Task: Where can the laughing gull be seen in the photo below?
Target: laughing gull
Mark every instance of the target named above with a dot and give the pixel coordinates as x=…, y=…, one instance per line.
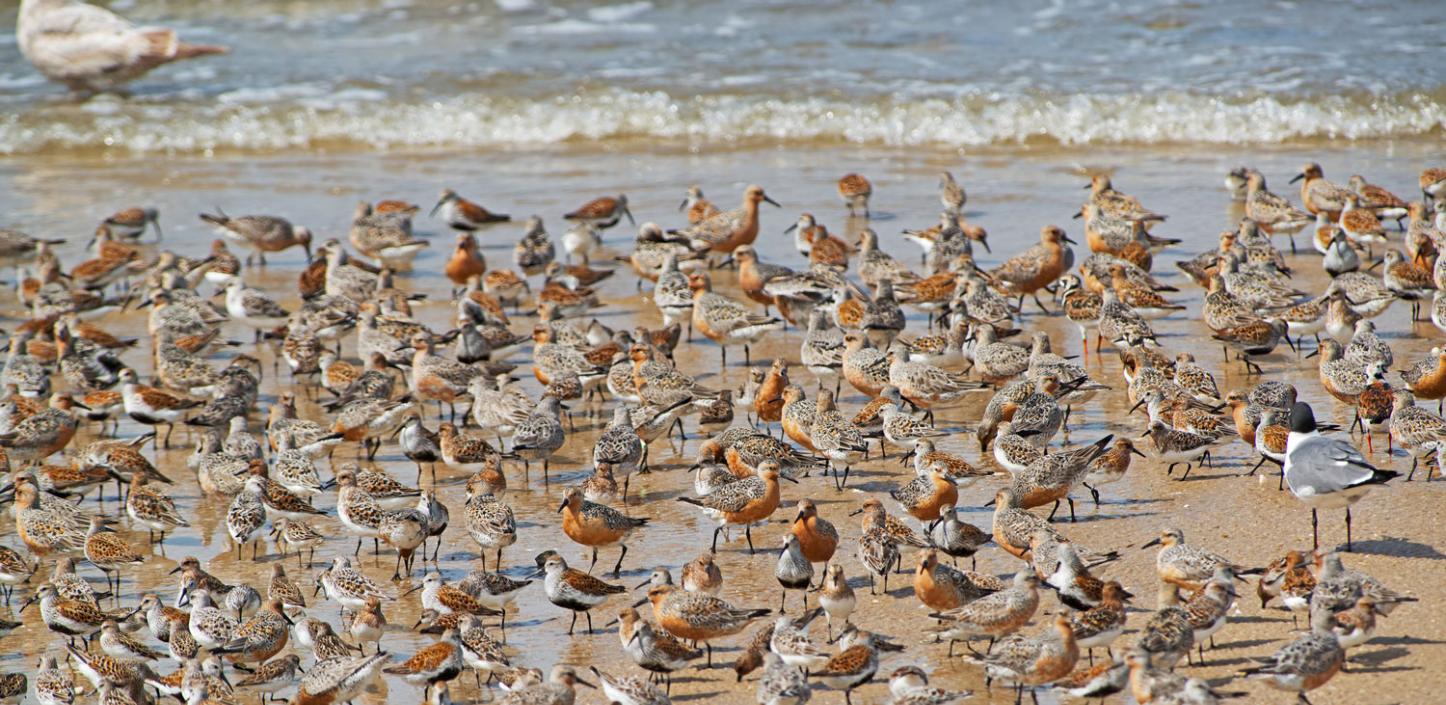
x=1326, y=472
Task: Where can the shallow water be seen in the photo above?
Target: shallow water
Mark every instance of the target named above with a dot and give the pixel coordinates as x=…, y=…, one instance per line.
x=365, y=73
x=1012, y=193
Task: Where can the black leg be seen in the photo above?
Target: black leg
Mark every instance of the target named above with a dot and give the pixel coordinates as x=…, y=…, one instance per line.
x=617, y=569
x=1348, y=529
x=1314, y=530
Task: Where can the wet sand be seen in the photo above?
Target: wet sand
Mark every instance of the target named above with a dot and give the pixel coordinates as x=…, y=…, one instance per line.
x=1012, y=193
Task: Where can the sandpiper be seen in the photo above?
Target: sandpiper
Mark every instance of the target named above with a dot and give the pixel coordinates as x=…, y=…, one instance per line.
x=696, y=205
x=1306, y=663
x=260, y=233
x=629, y=690
x=435, y=664
x=855, y=191
x=603, y=212
x=1183, y=565
x=724, y=320
x=1037, y=267
x=817, y=537
x=1029, y=662
x=995, y=615
x=273, y=676
x=463, y=214
x=575, y=590
x=108, y=552
x=743, y=503
x=541, y=435
x=941, y=588
x=727, y=230
x=698, y=616
x=348, y=586
x=592, y=524
x=489, y=522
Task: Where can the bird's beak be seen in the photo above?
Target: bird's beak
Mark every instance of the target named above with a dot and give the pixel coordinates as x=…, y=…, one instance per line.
x=156, y=221
x=583, y=682
x=1375, y=264
x=185, y=598
x=790, y=228
x=29, y=602
x=1067, y=239
x=985, y=243
x=1313, y=353
x=629, y=214
x=562, y=506
x=798, y=517
x=990, y=503
x=437, y=207
x=641, y=602
x=1136, y=451
x=610, y=623
x=419, y=587
x=640, y=586
x=1152, y=542
x=1145, y=434
x=307, y=248
x=1298, y=177
x=538, y=573
x=1087, y=186
x=683, y=205
x=769, y=200
x=1078, y=214
x=785, y=477
x=857, y=512
x=1137, y=405
x=634, y=637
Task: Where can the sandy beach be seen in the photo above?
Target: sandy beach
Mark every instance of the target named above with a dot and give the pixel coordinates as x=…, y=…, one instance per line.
x=1012, y=193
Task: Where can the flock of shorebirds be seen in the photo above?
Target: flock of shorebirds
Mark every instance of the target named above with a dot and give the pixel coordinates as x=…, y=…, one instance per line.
x=365, y=376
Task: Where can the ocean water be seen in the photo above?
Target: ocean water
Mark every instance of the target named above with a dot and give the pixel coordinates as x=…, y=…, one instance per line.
x=360, y=74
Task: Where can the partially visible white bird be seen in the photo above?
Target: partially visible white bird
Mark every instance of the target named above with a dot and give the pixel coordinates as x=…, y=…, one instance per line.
x=89, y=48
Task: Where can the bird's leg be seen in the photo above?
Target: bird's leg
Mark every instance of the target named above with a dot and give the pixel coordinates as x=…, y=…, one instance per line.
x=617, y=569
x=1314, y=530
x=1348, y=529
